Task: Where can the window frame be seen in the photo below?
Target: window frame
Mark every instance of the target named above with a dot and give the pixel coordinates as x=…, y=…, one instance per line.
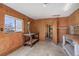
x=21, y=24
x=15, y=18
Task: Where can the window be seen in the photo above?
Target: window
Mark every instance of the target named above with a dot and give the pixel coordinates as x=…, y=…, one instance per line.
x=19, y=25
x=9, y=24
x=13, y=24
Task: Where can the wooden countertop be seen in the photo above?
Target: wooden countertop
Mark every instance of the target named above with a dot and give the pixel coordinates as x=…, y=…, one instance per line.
x=27, y=34
x=73, y=37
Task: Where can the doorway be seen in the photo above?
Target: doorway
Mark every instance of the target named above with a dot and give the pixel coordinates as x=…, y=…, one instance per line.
x=49, y=34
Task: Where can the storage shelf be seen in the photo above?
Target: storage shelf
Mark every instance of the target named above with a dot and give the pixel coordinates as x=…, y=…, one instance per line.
x=33, y=41
x=33, y=38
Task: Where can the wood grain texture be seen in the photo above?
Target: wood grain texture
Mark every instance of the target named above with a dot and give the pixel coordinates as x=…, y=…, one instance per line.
x=10, y=41
x=62, y=27
x=73, y=19
x=41, y=27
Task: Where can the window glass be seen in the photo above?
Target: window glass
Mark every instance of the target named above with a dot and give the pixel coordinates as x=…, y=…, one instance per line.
x=9, y=24
x=13, y=24
x=19, y=25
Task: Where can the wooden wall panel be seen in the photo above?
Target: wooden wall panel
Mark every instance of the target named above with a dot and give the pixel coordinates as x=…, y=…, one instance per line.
x=73, y=19
x=10, y=41
x=55, y=32
x=40, y=26
x=76, y=17
x=1, y=18
x=62, y=27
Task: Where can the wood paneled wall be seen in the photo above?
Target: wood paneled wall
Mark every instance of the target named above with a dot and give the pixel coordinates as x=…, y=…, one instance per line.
x=10, y=41
x=57, y=25
x=40, y=26
x=74, y=18
x=65, y=22
x=62, y=27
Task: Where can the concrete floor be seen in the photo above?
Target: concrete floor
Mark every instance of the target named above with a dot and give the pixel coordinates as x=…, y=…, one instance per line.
x=40, y=49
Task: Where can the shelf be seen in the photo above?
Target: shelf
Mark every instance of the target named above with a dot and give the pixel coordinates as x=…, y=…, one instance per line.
x=29, y=42
x=33, y=38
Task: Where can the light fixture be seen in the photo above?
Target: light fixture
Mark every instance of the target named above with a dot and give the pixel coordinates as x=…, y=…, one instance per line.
x=45, y=4
x=67, y=6
x=56, y=15
x=28, y=22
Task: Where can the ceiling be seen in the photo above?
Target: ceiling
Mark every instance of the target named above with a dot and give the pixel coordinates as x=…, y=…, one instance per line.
x=44, y=10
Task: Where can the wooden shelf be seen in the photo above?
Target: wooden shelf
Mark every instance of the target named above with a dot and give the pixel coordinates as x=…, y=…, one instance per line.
x=31, y=42
x=33, y=38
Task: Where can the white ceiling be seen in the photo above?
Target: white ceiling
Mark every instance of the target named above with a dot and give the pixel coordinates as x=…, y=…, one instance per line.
x=38, y=11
